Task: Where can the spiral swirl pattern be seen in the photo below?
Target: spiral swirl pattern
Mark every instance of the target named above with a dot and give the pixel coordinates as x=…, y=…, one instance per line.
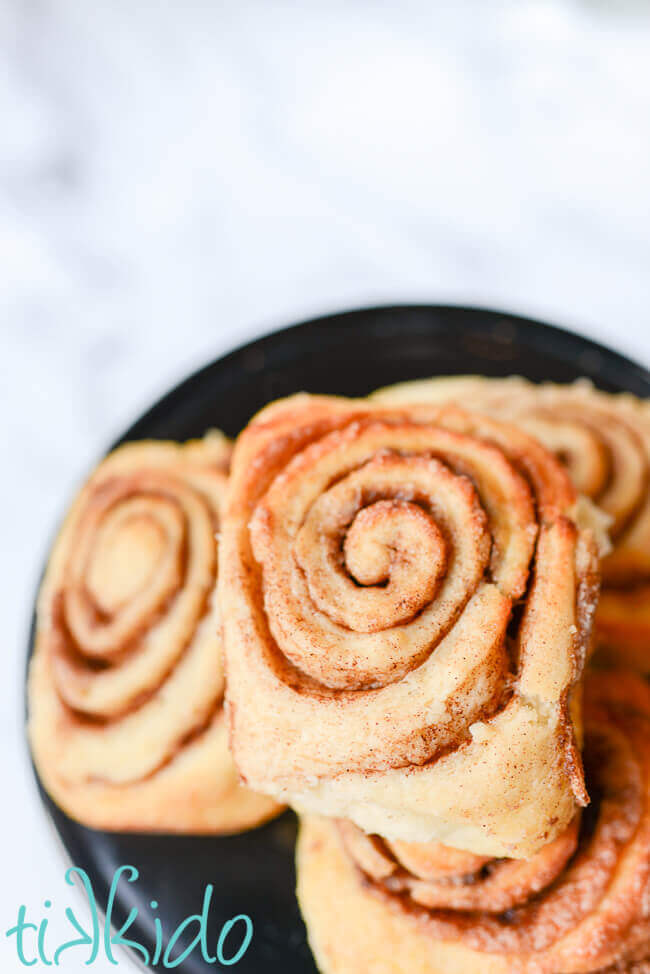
x=127, y=679
x=385, y=592
x=603, y=441
x=581, y=904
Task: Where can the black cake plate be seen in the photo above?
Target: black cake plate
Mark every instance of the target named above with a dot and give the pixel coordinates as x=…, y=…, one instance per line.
x=348, y=354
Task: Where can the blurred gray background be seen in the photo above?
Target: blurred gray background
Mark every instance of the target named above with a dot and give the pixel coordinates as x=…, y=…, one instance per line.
x=176, y=178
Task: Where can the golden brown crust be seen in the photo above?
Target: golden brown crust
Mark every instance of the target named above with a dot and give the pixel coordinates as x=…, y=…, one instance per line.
x=604, y=442
x=126, y=681
x=566, y=910
x=373, y=559
x=438, y=877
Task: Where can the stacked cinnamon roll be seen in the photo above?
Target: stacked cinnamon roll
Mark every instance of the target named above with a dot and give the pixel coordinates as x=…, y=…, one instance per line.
x=126, y=681
x=407, y=597
x=408, y=592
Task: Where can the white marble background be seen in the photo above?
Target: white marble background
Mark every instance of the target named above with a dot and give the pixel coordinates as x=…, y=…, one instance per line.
x=176, y=177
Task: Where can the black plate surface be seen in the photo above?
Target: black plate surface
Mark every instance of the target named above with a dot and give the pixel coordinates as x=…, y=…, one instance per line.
x=348, y=354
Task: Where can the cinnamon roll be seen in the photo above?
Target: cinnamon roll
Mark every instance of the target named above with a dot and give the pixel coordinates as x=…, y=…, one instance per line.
x=126, y=681
x=604, y=442
x=580, y=904
x=408, y=599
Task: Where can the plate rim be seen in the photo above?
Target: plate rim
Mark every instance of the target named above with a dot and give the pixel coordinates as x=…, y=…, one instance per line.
x=350, y=316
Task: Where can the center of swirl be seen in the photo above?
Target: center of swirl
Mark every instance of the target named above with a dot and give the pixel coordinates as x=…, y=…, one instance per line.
x=374, y=548
x=128, y=548
x=398, y=550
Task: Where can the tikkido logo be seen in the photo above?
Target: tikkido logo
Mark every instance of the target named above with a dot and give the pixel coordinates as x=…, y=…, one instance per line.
x=90, y=942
